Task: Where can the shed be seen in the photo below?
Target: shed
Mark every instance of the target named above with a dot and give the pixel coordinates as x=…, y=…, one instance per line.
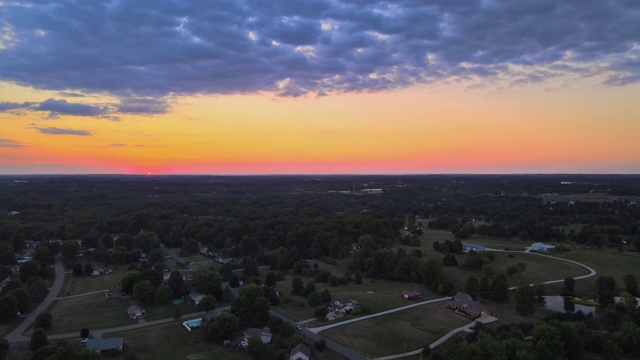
x=411, y=295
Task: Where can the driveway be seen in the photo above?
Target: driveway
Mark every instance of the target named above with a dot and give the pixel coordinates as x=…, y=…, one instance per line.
x=16, y=334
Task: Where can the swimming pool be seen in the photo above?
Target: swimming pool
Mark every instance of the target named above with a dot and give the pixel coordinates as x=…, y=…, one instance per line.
x=192, y=324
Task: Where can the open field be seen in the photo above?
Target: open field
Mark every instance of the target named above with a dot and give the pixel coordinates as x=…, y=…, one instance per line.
x=398, y=332
x=607, y=262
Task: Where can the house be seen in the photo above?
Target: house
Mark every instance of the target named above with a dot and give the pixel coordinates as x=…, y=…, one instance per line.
x=412, y=295
x=465, y=304
x=300, y=352
x=466, y=247
x=542, y=247
x=343, y=306
x=111, y=346
x=254, y=333
x=31, y=243
x=195, y=297
x=135, y=312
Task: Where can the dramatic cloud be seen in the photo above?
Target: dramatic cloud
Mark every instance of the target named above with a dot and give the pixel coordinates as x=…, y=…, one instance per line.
x=297, y=47
x=7, y=143
x=7, y=106
x=66, y=108
x=59, y=131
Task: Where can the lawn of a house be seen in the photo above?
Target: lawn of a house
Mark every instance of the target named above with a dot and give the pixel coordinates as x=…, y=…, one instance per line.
x=85, y=284
x=398, y=332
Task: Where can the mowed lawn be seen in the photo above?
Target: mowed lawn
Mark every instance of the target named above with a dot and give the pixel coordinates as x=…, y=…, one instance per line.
x=173, y=341
x=84, y=284
x=90, y=311
x=398, y=332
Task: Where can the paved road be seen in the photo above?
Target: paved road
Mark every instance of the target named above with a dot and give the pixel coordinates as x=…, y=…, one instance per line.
x=16, y=334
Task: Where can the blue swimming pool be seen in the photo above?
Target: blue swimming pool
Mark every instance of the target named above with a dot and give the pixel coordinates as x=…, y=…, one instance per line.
x=194, y=324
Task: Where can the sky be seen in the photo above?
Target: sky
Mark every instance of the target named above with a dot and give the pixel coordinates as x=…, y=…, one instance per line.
x=319, y=87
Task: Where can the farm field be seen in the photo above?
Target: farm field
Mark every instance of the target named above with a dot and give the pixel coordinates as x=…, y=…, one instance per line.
x=398, y=332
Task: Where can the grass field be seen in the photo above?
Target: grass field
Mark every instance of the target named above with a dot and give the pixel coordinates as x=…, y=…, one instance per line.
x=85, y=284
x=90, y=311
x=398, y=332
x=607, y=262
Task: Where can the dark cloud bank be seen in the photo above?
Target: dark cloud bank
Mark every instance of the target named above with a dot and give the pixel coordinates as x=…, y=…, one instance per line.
x=143, y=52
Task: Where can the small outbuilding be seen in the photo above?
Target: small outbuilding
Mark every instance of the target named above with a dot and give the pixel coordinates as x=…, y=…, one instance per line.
x=412, y=295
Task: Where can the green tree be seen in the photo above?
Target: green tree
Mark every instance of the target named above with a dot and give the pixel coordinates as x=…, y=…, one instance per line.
x=77, y=270
x=321, y=311
x=208, y=282
x=223, y=327
x=69, y=250
x=256, y=348
x=8, y=258
x=297, y=286
x=38, y=339
x=28, y=270
x=473, y=286
x=250, y=267
x=525, y=298
x=270, y=279
x=143, y=292
x=164, y=294
x=500, y=289
x=4, y=348
x=44, y=320
x=129, y=279
x=155, y=256
x=314, y=299
x=44, y=256
x=88, y=269
x=358, y=278
x=234, y=281
x=308, y=289
x=207, y=303
x=176, y=282
x=23, y=298
x=8, y=308
x=606, y=287
x=569, y=287
x=631, y=284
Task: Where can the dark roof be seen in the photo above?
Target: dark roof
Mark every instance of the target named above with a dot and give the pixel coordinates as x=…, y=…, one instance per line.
x=301, y=348
x=105, y=344
x=465, y=300
x=256, y=333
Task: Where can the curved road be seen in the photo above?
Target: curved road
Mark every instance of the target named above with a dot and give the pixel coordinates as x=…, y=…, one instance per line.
x=16, y=334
